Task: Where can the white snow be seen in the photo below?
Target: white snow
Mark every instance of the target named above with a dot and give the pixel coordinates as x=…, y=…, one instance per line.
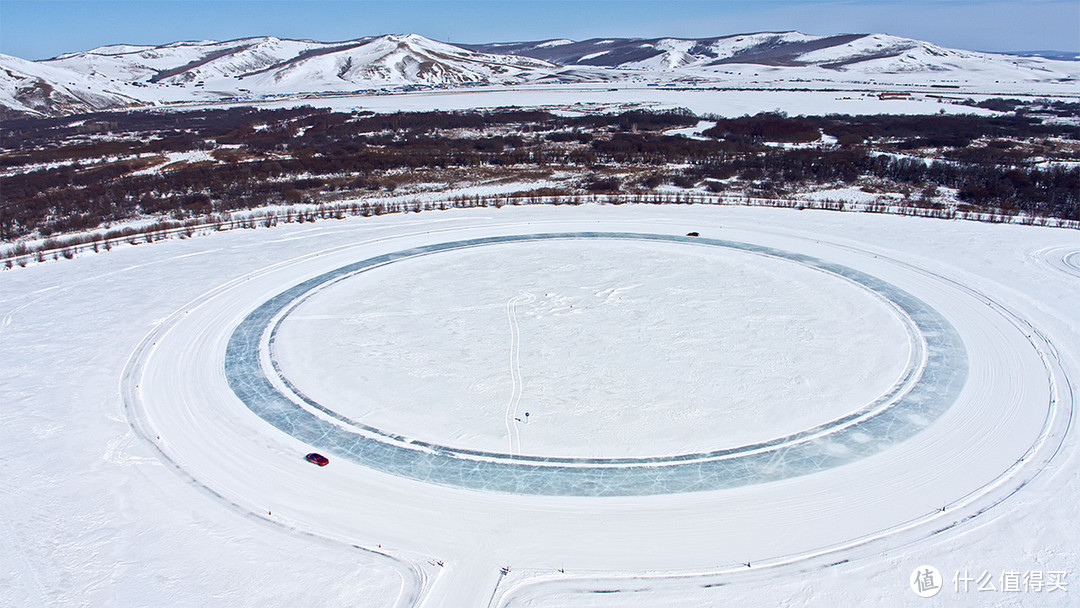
x=552, y=43
x=208, y=505
x=850, y=194
x=174, y=158
x=616, y=97
x=675, y=307
x=693, y=132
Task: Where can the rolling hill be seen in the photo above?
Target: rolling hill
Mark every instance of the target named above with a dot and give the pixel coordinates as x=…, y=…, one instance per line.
x=127, y=75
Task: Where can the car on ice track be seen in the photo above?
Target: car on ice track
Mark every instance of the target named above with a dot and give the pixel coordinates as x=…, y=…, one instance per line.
x=317, y=458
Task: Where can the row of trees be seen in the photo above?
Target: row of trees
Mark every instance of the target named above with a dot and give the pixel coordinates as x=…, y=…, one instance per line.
x=68, y=246
x=1052, y=190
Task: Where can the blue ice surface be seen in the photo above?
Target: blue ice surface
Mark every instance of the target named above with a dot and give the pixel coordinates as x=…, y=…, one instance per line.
x=844, y=440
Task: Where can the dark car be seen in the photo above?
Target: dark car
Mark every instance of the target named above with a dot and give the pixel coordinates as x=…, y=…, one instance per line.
x=317, y=458
x=692, y=234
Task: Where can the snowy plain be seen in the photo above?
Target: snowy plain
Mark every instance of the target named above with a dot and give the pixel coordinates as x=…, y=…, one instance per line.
x=133, y=475
x=620, y=97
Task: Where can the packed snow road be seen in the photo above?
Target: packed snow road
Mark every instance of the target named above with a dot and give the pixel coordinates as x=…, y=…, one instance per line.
x=919, y=394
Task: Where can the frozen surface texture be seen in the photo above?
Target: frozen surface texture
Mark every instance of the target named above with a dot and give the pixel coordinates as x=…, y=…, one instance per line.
x=871, y=429
x=134, y=473
x=613, y=347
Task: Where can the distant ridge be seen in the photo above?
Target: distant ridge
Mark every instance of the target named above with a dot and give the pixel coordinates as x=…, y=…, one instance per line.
x=1054, y=55
x=248, y=68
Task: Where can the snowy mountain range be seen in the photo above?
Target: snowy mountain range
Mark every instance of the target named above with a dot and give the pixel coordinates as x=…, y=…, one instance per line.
x=128, y=75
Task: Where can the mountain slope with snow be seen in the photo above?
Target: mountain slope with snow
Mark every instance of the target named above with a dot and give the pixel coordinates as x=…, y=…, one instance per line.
x=665, y=53
x=276, y=63
x=36, y=88
x=845, y=52
x=394, y=59
x=208, y=71
x=193, y=62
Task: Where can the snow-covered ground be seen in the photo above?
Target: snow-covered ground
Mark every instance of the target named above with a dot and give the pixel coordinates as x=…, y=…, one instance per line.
x=619, y=97
x=135, y=474
x=639, y=304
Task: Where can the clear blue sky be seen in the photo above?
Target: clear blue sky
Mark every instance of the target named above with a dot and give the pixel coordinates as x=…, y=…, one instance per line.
x=45, y=28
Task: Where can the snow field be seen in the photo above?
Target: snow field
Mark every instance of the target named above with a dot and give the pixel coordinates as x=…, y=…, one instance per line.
x=999, y=453
x=620, y=97
x=620, y=348
x=218, y=440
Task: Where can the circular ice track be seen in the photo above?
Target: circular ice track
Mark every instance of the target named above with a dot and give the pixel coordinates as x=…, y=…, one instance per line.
x=919, y=399
x=987, y=406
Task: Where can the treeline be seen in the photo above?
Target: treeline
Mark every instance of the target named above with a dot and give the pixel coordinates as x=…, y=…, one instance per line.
x=76, y=173
x=336, y=151
x=1063, y=109
x=1052, y=190
x=902, y=132
x=20, y=254
x=30, y=134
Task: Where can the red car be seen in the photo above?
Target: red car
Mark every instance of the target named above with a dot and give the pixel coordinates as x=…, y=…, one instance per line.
x=317, y=458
